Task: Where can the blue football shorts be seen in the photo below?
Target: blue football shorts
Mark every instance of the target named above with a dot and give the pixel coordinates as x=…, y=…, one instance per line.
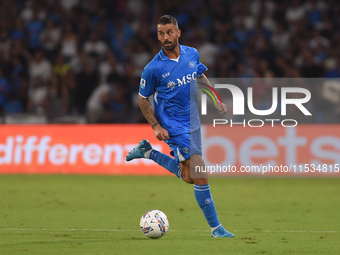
x=185, y=145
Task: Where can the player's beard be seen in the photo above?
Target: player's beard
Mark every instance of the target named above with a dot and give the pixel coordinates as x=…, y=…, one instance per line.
x=170, y=47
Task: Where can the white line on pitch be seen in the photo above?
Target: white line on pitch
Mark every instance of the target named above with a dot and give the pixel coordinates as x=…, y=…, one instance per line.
x=130, y=230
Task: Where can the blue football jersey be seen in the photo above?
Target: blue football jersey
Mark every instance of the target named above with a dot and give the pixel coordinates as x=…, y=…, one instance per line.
x=173, y=86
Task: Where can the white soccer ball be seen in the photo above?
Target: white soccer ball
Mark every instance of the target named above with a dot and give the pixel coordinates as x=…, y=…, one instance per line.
x=154, y=224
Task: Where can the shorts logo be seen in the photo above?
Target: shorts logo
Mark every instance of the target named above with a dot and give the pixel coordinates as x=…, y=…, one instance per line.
x=185, y=150
x=207, y=201
x=191, y=64
x=142, y=83
x=165, y=75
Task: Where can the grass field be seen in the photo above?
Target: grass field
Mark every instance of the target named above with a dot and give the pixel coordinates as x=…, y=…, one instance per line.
x=100, y=215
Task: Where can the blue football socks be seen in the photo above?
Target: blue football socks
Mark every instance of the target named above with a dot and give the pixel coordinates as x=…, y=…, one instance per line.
x=202, y=192
x=167, y=162
x=205, y=201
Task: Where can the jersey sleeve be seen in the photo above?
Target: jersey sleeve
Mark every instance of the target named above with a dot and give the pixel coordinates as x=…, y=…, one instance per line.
x=200, y=67
x=147, y=83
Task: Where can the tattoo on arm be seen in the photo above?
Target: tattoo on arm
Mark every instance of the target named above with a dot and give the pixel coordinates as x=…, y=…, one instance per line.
x=147, y=110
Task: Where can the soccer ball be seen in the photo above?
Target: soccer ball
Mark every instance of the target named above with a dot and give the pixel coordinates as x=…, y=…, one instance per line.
x=154, y=224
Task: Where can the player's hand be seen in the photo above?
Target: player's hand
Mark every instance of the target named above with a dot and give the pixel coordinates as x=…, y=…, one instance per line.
x=161, y=133
x=222, y=108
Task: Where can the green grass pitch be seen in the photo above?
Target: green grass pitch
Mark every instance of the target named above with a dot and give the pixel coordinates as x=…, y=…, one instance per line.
x=63, y=214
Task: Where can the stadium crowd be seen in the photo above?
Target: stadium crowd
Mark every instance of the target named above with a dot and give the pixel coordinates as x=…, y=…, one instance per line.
x=85, y=57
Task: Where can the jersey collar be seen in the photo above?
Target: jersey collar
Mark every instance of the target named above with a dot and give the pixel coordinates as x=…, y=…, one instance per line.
x=164, y=57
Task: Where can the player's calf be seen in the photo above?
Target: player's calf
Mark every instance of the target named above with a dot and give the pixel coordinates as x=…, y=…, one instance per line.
x=186, y=176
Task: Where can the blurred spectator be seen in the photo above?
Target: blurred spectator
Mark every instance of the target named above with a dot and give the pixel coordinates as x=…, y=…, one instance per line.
x=80, y=60
x=30, y=11
x=86, y=82
x=5, y=44
x=120, y=36
x=110, y=66
x=38, y=97
x=207, y=51
x=22, y=91
x=58, y=99
x=13, y=104
x=69, y=45
x=318, y=40
x=17, y=69
x=141, y=57
x=310, y=68
x=35, y=27
x=295, y=12
x=60, y=68
x=68, y=4
x=38, y=66
x=280, y=39
x=78, y=46
x=50, y=39
x=258, y=7
x=69, y=84
x=115, y=104
x=241, y=33
x=95, y=106
x=19, y=32
x=95, y=46
x=243, y=71
x=314, y=13
x=4, y=90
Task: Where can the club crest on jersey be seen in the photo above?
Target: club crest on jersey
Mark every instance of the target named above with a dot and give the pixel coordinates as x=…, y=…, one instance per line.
x=191, y=64
x=171, y=85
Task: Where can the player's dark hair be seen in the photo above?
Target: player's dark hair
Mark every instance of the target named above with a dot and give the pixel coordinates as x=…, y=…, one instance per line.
x=168, y=19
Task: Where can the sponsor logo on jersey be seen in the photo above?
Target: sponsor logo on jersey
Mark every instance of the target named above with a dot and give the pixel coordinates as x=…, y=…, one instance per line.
x=165, y=75
x=187, y=79
x=171, y=85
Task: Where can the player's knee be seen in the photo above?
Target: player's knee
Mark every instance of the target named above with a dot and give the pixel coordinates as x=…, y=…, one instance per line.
x=188, y=180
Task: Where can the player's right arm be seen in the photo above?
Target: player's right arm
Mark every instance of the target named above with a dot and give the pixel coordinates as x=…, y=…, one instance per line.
x=204, y=80
x=146, y=108
x=204, y=83
x=146, y=89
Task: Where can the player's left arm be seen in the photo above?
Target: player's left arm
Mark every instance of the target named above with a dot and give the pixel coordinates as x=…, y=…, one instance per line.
x=203, y=83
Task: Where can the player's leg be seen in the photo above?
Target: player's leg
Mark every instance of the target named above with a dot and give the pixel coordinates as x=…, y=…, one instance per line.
x=202, y=186
x=185, y=174
x=169, y=163
x=145, y=150
x=203, y=195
